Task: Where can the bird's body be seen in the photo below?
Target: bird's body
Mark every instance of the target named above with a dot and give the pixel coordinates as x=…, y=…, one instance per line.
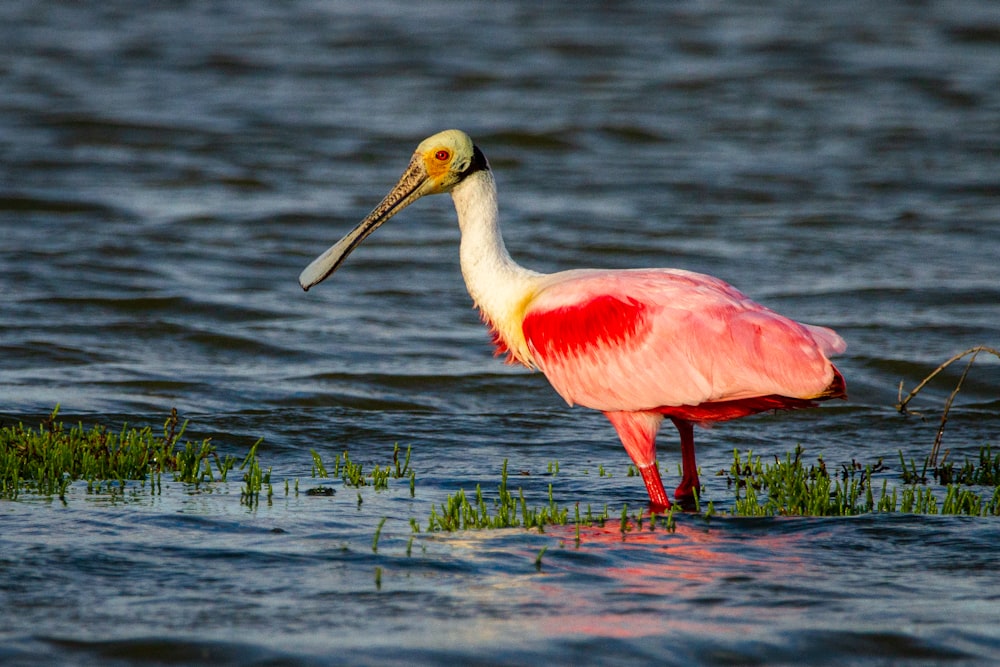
x=638, y=345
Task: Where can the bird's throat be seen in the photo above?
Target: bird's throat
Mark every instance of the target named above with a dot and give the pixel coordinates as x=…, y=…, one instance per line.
x=500, y=288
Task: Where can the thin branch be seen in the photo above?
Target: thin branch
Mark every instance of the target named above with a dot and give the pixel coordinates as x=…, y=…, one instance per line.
x=901, y=405
x=947, y=406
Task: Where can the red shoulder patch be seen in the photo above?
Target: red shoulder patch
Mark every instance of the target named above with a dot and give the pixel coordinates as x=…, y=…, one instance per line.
x=603, y=321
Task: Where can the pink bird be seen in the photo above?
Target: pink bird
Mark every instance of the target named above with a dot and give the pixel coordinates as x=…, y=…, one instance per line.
x=638, y=345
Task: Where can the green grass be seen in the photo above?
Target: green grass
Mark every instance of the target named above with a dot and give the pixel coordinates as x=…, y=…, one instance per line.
x=789, y=487
x=505, y=511
x=255, y=479
x=378, y=532
x=46, y=459
x=353, y=474
x=984, y=471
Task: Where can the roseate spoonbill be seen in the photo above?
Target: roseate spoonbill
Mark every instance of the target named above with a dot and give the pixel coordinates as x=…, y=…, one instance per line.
x=638, y=345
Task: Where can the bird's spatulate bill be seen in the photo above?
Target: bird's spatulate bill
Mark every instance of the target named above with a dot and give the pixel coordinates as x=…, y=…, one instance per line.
x=321, y=267
x=407, y=190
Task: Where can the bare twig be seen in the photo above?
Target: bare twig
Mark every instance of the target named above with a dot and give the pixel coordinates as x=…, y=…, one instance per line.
x=901, y=405
x=947, y=406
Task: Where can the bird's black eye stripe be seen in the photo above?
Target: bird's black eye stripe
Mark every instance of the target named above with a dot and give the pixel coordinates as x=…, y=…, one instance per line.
x=478, y=163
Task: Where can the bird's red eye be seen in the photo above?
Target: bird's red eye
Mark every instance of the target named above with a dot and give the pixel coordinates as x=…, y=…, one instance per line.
x=442, y=155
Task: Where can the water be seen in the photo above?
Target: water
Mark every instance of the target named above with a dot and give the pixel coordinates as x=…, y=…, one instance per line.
x=167, y=172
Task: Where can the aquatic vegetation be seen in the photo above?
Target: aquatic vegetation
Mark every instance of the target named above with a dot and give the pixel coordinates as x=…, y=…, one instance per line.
x=984, y=472
x=47, y=459
x=378, y=532
x=538, y=558
x=318, y=469
x=790, y=488
x=255, y=479
x=353, y=474
x=507, y=511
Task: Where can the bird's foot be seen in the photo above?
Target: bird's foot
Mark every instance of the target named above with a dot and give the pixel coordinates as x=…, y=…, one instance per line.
x=659, y=508
x=687, y=493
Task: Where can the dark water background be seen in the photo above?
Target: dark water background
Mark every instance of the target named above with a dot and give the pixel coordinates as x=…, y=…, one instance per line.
x=166, y=170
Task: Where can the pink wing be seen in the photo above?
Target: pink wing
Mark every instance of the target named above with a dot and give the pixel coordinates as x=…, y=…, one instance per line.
x=647, y=339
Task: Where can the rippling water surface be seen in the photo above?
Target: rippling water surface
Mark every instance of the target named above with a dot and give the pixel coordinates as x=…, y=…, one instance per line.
x=168, y=170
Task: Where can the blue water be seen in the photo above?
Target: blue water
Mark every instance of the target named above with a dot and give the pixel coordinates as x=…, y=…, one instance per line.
x=167, y=171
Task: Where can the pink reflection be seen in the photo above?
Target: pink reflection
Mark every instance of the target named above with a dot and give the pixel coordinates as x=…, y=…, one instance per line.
x=666, y=573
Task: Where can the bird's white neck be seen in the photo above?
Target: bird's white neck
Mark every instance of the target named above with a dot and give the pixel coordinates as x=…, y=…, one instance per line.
x=499, y=287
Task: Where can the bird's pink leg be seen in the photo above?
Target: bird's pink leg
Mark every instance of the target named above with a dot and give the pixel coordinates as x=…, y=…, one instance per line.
x=637, y=431
x=689, y=467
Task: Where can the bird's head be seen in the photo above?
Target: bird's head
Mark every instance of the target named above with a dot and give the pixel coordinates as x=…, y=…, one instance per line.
x=440, y=163
x=445, y=159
